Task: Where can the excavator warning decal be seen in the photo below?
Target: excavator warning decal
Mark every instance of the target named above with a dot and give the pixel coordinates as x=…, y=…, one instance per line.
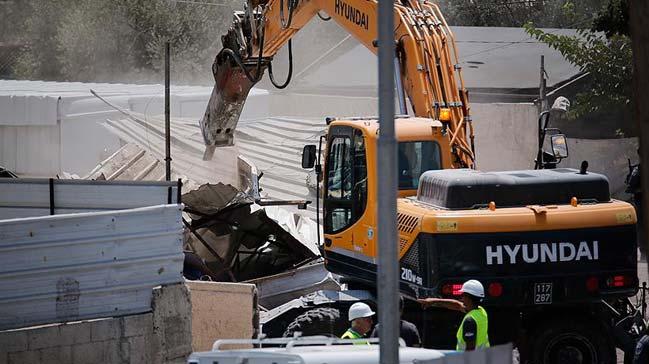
x=352, y=14
x=624, y=218
x=446, y=226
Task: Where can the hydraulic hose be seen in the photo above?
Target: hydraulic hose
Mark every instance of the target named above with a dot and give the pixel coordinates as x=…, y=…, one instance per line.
x=290, y=4
x=239, y=62
x=290, y=69
x=322, y=17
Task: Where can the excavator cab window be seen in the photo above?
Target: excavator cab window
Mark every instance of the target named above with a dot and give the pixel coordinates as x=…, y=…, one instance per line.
x=346, y=180
x=416, y=158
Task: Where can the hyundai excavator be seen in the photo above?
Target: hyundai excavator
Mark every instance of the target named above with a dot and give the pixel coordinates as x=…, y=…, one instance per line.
x=555, y=253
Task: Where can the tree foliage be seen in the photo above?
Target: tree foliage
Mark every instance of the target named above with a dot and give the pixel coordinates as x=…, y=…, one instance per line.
x=604, y=52
x=516, y=13
x=118, y=40
x=613, y=19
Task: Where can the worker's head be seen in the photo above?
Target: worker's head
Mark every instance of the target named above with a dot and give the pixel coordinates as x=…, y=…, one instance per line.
x=360, y=315
x=472, y=293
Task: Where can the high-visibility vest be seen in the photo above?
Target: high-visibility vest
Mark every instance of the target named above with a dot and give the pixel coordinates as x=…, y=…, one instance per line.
x=351, y=334
x=479, y=315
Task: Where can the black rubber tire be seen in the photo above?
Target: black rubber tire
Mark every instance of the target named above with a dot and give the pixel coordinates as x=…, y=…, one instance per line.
x=318, y=321
x=571, y=342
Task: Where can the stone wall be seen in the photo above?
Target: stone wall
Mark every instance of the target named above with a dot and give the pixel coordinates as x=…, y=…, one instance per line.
x=165, y=335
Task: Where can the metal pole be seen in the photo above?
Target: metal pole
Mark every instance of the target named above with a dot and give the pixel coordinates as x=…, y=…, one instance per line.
x=542, y=107
x=542, y=84
x=387, y=191
x=167, y=117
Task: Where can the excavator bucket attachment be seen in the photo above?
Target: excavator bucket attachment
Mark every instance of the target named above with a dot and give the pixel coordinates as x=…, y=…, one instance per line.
x=230, y=91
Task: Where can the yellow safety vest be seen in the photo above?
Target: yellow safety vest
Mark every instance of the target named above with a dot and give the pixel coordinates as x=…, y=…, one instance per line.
x=479, y=315
x=351, y=334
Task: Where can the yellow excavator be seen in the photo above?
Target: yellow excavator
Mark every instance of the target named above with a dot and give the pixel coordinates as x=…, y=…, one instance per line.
x=555, y=253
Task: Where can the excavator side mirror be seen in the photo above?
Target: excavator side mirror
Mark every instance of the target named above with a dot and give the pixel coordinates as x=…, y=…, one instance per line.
x=308, y=156
x=559, y=146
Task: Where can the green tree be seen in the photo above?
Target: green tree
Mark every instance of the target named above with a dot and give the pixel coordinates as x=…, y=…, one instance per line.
x=41, y=56
x=613, y=18
x=516, y=13
x=12, y=14
x=95, y=48
x=604, y=52
x=120, y=40
x=193, y=31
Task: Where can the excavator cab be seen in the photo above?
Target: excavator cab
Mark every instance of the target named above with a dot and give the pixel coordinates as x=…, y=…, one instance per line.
x=349, y=181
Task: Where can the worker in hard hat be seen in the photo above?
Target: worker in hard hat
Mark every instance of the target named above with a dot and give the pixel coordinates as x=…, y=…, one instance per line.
x=360, y=316
x=473, y=331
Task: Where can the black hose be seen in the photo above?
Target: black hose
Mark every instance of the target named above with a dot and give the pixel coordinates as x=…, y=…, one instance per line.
x=290, y=4
x=322, y=17
x=239, y=62
x=290, y=69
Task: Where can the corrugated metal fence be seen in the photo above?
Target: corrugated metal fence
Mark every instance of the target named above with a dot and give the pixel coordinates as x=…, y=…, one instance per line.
x=28, y=197
x=87, y=265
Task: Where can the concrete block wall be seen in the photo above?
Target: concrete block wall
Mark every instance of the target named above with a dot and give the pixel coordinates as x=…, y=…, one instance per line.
x=184, y=318
x=161, y=336
x=109, y=340
x=103, y=340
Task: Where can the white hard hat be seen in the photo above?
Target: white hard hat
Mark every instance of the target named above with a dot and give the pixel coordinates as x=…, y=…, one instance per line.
x=358, y=310
x=473, y=287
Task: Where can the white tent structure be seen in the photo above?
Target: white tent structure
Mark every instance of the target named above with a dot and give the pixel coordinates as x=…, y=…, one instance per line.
x=48, y=128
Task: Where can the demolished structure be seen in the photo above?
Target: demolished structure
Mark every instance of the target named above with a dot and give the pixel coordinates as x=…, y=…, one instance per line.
x=229, y=235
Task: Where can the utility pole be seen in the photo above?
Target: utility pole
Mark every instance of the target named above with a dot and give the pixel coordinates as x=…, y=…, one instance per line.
x=543, y=102
x=387, y=191
x=542, y=106
x=638, y=15
x=167, y=117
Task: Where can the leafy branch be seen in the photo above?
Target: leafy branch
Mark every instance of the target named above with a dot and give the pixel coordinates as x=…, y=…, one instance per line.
x=608, y=61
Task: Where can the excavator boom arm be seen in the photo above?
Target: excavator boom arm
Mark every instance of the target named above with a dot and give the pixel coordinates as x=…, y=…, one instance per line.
x=428, y=61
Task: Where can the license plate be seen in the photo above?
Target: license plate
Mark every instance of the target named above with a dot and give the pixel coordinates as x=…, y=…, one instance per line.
x=542, y=293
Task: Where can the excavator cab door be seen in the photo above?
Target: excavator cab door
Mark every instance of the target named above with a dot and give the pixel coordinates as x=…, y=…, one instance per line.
x=345, y=194
x=338, y=180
